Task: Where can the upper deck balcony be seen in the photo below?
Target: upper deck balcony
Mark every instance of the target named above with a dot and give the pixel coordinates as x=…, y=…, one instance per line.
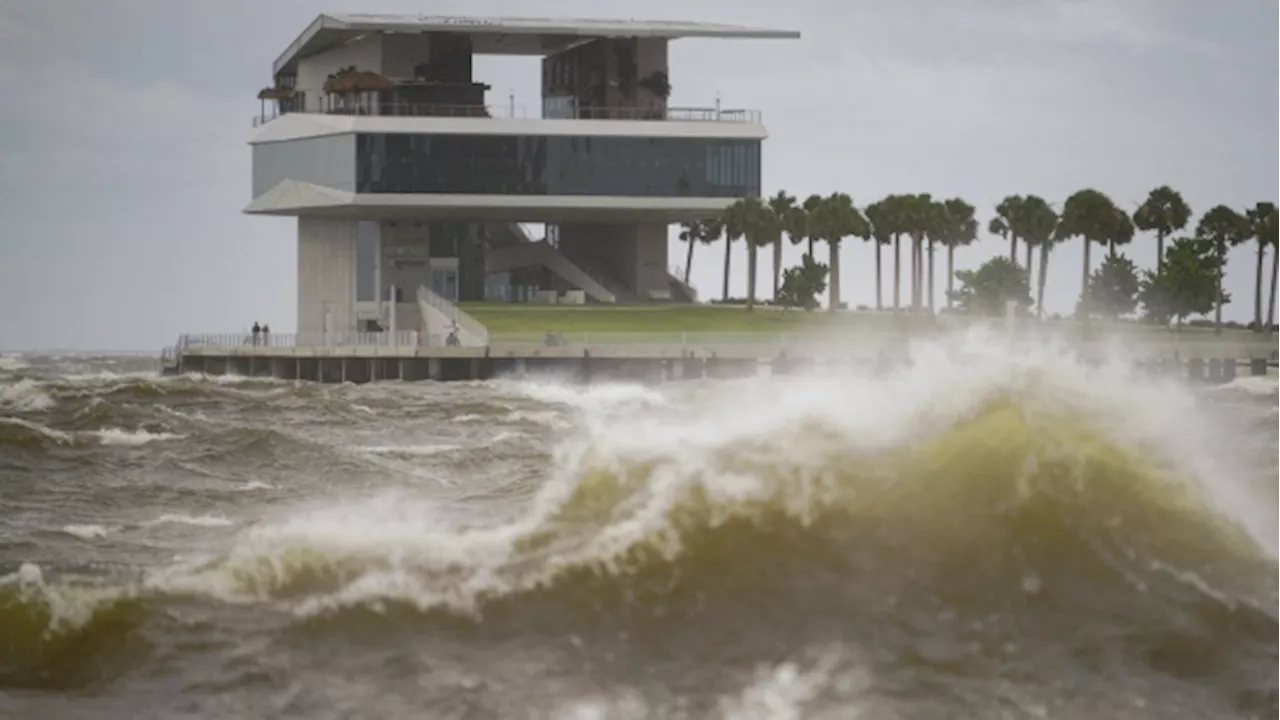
x=518, y=112
x=369, y=94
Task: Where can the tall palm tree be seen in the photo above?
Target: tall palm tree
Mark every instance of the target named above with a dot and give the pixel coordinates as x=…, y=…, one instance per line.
x=958, y=228
x=782, y=205
x=733, y=231
x=1005, y=223
x=1121, y=233
x=1164, y=212
x=893, y=225
x=877, y=214
x=1039, y=225
x=1093, y=217
x=919, y=219
x=757, y=222
x=1224, y=228
x=698, y=231
x=1262, y=228
x=834, y=219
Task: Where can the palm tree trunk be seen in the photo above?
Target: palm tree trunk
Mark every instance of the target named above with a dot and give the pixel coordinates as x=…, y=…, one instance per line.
x=1013, y=248
x=728, y=247
x=1044, y=273
x=688, y=260
x=1111, y=248
x=1030, y=256
x=777, y=265
x=897, y=274
x=951, y=272
x=811, y=249
x=1217, y=301
x=1084, y=282
x=752, y=259
x=915, y=271
x=879, y=302
x=931, y=283
x=1159, y=253
x=1271, y=302
x=919, y=284
x=1257, y=295
x=834, y=246
x=910, y=277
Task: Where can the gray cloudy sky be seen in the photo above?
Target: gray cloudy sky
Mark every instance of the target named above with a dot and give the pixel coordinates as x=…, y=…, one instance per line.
x=123, y=163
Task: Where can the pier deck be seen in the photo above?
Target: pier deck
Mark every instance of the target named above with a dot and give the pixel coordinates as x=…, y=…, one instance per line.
x=646, y=357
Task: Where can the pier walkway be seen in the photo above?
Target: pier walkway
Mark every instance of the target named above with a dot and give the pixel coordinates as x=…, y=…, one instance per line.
x=368, y=357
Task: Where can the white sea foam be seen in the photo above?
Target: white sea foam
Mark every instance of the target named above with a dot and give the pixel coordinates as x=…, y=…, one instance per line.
x=117, y=436
x=195, y=520
x=54, y=435
x=86, y=532
x=26, y=395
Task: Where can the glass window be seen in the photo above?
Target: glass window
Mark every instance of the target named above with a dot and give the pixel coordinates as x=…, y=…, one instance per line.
x=557, y=165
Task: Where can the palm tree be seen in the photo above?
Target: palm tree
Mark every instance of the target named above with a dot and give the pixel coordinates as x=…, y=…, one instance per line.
x=1121, y=233
x=1092, y=216
x=1005, y=224
x=698, y=231
x=893, y=224
x=1165, y=212
x=1262, y=228
x=834, y=219
x=877, y=214
x=1224, y=228
x=1039, y=225
x=919, y=219
x=733, y=231
x=957, y=227
x=752, y=218
x=782, y=206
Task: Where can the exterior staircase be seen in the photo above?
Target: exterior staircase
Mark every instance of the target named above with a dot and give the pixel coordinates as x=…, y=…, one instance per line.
x=439, y=317
x=526, y=254
x=597, y=283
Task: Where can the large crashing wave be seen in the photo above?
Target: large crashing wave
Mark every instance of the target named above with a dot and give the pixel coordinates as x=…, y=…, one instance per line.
x=983, y=497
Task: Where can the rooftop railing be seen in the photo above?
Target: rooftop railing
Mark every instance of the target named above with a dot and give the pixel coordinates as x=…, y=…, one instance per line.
x=516, y=112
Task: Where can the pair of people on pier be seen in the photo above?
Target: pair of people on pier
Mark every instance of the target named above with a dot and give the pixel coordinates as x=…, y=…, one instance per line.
x=261, y=334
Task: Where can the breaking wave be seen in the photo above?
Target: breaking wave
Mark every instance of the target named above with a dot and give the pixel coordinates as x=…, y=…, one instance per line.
x=958, y=516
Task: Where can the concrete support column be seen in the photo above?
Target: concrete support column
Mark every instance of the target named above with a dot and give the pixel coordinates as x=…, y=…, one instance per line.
x=1195, y=369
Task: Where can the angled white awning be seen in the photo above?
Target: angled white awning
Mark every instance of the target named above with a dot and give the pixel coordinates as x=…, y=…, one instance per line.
x=290, y=196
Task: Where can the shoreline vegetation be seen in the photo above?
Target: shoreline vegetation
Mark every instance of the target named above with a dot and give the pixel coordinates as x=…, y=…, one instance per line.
x=1186, y=282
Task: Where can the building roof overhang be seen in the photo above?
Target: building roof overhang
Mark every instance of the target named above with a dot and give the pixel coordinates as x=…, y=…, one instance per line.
x=504, y=36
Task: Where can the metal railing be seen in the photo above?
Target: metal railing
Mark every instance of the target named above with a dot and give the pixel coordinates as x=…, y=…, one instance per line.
x=516, y=112
x=271, y=341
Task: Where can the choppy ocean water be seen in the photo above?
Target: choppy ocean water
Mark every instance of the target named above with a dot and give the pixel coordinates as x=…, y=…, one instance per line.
x=989, y=533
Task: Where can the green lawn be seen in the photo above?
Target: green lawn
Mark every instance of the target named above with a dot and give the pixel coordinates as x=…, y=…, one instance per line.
x=511, y=318
x=504, y=318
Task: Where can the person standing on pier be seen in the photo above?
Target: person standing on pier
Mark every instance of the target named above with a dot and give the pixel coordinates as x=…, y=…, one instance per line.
x=266, y=335
x=255, y=330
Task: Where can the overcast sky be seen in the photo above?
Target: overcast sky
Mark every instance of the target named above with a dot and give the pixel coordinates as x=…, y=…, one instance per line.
x=124, y=164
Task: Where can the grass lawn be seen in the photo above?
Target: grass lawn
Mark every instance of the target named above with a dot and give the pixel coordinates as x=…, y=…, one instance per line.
x=513, y=318
x=503, y=318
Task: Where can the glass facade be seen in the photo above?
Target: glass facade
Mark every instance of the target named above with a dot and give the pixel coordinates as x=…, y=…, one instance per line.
x=557, y=165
